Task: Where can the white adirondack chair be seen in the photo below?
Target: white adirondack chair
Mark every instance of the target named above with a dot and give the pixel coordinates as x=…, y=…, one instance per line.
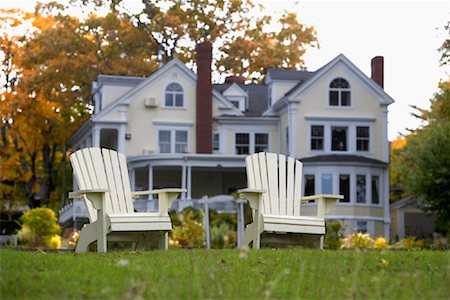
x=104, y=184
x=274, y=194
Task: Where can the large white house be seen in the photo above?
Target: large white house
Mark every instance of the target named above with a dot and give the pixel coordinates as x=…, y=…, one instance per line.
x=177, y=129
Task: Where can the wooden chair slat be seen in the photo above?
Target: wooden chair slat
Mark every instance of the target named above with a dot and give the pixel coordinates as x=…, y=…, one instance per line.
x=272, y=175
x=264, y=182
x=111, y=181
x=282, y=180
x=290, y=187
x=250, y=172
x=298, y=187
x=83, y=169
x=118, y=182
x=126, y=183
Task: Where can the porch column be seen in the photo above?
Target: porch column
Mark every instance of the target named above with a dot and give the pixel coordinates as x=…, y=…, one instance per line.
x=151, y=204
x=183, y=180
x=121, y=139
x=96, y=137
x=189, y=182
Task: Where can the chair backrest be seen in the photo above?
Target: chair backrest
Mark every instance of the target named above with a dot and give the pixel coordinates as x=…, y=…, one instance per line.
x=281, y=177
x=96, y=168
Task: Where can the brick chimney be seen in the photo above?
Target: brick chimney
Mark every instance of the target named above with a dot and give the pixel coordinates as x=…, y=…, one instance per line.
x=204, y=98
x=377, y=64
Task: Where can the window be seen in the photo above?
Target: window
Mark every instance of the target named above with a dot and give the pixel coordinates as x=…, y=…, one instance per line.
x=362, y=138
x=261, y=142
x=327, y=184
x=375, y=189
x=248, y=143
x=165, y=141
x=344, y=187
x=309, y=185
x=174, y=95
x=181, y=141
x=242, y=143
x=339, y=138
x=216, y=142
x=361, y=226
x=317, y=137
x=361, y=188
x=339, y=92
x=235, y=103
x=173, y=141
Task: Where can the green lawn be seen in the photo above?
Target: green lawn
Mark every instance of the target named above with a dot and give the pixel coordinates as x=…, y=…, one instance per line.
x=226, y=274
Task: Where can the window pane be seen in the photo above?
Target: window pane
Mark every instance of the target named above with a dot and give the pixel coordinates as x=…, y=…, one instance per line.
x=164, y=136
x=345, y=98
x=361, y=188
x=309, y=185
x=174, y=87
x=179, y=100
x=339, y=138
x=316, y=137
x=362, y=138
x=334, y=98
x=242, y=143
x=169, y=99
x=181, y=138
x=344, y=187
x=261, y=142
x=216, y=141
x=164, y=141
x=375, y=189
x=361, y=226
x=327, y=184
x=235, y=103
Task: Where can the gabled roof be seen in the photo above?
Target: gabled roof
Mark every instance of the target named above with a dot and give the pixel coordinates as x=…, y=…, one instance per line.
x=294, y=93
x=287, y=74
x=257, y=96
x=174, y=63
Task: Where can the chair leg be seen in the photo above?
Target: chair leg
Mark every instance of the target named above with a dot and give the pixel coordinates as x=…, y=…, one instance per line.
x=322, y=238
x=164, y=241
x=252, y=234
x=88, y=235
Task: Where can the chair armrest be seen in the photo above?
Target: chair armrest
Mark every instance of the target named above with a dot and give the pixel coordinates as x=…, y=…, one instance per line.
x=158, y=191
x=96, y=196
x=78, y=194
x=253, y=196
x=324, y=202
x=165, y=197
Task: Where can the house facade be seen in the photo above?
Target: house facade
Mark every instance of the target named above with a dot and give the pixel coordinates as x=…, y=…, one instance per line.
x=179, y=130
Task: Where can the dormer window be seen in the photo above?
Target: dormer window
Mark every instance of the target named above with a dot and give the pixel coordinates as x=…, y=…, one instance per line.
x=174, y=95
x=339, y=92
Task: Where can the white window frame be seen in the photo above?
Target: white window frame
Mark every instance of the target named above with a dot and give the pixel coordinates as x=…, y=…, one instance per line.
x=351, y=126
x=174, y=93
x=340, y=91
x=252, y=137
x=173, y=129
x=368, y=172
x=364, y=139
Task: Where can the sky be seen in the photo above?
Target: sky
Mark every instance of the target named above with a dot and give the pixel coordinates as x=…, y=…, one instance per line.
x=406, y=33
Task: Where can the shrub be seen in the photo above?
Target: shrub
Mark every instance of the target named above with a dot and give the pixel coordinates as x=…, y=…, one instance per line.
x=223, y=236
x=190, y=233
x=410, y=243
x=358, y=240
x=381, y=243
x=334, y=235
x=55, y=242
x=39, y=225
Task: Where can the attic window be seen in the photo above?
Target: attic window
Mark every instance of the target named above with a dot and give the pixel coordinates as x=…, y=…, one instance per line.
x=174, y=95
x=339, y=92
